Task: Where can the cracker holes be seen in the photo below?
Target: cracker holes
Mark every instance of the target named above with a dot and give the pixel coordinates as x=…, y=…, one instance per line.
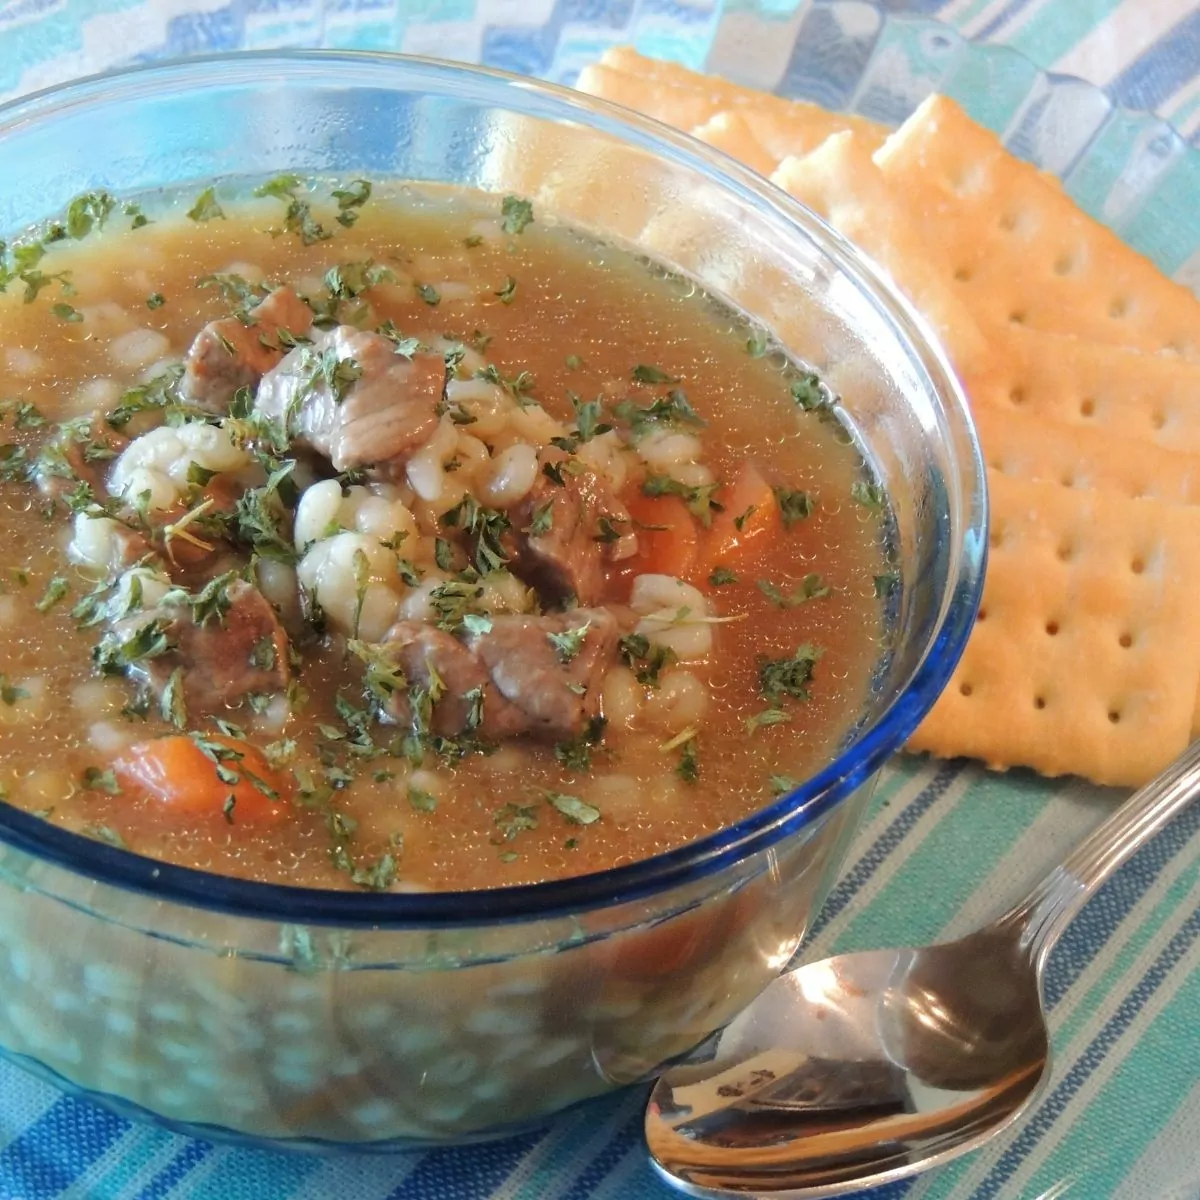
x=981, y=615
x=1125, y=641
x=1009, y=221
x=1179, y=346
x=969, y=177
x=1039, y=702
x=964, y=274
x=1138, y=566
x=1067, y=479
x=1120, y=308
x=965, y=690
x=1016, y=395
x=1158, y=419
x=1114, y=716
x=1017, y=317
x=1065, y=551
x=996, y=537
x=1087, y=407
x=1052, y=629
x=1064, y=264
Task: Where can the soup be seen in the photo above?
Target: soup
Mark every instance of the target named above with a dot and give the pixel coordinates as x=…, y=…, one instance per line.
x=408, y=539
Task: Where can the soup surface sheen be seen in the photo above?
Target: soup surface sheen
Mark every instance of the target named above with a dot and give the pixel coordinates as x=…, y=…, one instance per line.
x=434, y=546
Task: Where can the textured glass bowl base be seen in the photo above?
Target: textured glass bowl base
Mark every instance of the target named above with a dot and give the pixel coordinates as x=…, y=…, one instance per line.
x=459, y=1038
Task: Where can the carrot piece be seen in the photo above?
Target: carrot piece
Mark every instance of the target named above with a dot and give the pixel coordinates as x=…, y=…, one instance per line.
x=666, y=534
x=177, y=772
x=749, y=521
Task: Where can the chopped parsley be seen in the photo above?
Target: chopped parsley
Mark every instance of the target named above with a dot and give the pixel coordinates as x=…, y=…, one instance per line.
x=543, y=520
x=812, y=587
x=757, y=343
x=207, y=207
x=780, y=677
x=137, y=218
x=647, y=659
x=89, y=210
x=96, y=780
x=64, y=312
x=487, y=526
x=885, y=583
x=420, y=799
x=337, y=374
x=794, y=505
x=643, y=373
x=518, y=387
x=868, y=494
x=508, y=290
x=688, y=767
x=574, y=362
x=514, y=819
x=171, y=704
x=24, y=414
x=810, y=393
x=453, y=601
x=700, y=501
x=155, y=300
x=768, y=717
x=117, y=652
x=10, y=693
x=515, y=214
x=568, y=643
x=428, y=293
x=576, y=753
x=56, y=589
x=105, y=833
x=721, y=576
x=350, y=200
x=298, y=217
x=577, y=811
x=347, y=280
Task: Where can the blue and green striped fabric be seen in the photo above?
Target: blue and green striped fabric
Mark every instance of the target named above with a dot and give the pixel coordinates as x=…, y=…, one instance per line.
x=944, y=845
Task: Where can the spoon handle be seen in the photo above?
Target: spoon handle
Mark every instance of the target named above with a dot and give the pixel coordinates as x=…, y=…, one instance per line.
x=1054, y=902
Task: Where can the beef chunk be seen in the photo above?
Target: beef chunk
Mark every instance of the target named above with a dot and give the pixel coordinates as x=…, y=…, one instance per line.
x=350, y=397
x=554, y=683
x=227, y=354
x=224, y=659
x=470, y=700
x=587, y=527
x=536, y=675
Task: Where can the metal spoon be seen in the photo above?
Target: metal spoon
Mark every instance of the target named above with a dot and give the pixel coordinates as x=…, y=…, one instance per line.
x=865, y=1068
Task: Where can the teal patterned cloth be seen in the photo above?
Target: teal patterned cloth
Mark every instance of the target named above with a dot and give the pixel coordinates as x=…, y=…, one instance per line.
x=944, y=846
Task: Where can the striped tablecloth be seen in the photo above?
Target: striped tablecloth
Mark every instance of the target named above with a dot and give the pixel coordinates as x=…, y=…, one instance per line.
x=944, y=847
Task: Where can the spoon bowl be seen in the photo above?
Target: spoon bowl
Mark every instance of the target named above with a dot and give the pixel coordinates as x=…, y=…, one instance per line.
x=865, y=1068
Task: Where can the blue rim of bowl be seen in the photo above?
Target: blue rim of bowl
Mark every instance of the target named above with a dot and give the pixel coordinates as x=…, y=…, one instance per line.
x=858, y=760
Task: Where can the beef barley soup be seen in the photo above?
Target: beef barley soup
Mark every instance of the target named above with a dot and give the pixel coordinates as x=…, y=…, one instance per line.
x=410, y=540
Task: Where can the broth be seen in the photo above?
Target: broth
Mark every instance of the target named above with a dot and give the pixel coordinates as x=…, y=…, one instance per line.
x=550, y=336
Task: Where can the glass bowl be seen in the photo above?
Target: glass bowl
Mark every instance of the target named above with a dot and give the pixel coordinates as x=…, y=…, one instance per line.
x=294, y=1017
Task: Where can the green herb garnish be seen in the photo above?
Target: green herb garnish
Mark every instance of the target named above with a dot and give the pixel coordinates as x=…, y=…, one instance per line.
x=868, y=494
x=577, y=811
x=794, y=505
x=515, y=213
x=56, y=589
x=643, y=373
x=206, y=207
x=779, y=677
